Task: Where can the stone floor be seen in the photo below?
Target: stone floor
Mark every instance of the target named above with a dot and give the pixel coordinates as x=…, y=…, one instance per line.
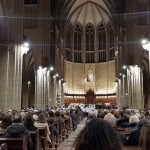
x=68, y=143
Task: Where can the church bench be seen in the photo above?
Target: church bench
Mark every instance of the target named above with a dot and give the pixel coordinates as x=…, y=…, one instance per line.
x=67, y=126
x=3, y=146
x=43, y=137
x=15, y=143
x=57, y=138
x=131, y=148
x=35, y=139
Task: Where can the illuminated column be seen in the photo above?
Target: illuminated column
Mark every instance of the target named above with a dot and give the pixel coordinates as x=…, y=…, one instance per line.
x=119, y=93
x=49, y=85
x=41, y=87
x=135, y=89
x=54, y=91
x=12, y=77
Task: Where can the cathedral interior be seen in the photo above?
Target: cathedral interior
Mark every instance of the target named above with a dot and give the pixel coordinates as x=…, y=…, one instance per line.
x=58, y=52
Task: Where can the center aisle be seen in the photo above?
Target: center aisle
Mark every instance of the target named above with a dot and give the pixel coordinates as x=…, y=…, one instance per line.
x=68, y=143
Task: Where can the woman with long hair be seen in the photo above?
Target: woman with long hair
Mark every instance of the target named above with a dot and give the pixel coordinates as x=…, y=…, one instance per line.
x=97, y=135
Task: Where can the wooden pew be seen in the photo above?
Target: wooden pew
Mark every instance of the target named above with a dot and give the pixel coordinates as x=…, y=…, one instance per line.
x=131, y=148
x=35, y=139
x=3, y=146
x=52, y=137
x=43, y=137
x=57, y=138
x=67, y=126
x=15, y=143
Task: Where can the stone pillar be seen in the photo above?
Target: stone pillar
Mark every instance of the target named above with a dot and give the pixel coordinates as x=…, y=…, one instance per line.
x=41, y=87
x=11, y=78
x=135, y=87
x=53, y=92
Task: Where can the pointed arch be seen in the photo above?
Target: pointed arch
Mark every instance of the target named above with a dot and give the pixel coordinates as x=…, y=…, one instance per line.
x=111, y=42
x=69, y=38
x=69, y=43
x=77, y=37
x=89, y=30
x=101, y=37
x=111, y=36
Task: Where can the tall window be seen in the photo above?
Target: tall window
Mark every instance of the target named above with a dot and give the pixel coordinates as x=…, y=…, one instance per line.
x=101, y=37
x=102, y=43
x=111, y=44
x=89, y=38
x=69, y=45
x=77, y=38
x=111, y=37
x=69, y=39
x=89, y=44
x=30, y=1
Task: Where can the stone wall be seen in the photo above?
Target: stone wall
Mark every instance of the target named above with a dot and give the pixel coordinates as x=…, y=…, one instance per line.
x=101, y=78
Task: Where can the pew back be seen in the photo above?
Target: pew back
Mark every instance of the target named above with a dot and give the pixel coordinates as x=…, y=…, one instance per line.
x=132, y=148
x=3, y=146
x=17, y=143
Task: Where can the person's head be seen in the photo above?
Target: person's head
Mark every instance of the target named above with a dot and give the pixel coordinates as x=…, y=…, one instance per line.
x=6, y=121
x=144, y=140
x=116, y=114
x=51, y=113
x=17, y=118
x=134, y=119
x=57, y=114
x=97, y=135
x=28, y=121
x=110, y=119
x=41, y=118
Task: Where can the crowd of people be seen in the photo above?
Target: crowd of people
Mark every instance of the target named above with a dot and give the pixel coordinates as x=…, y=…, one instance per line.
x=106, y=128
x=113, y=129
x=15, y=123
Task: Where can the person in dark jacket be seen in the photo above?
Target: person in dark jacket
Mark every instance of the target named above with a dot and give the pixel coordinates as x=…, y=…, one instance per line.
x=29, y=122
x=133, y=139
x=17, y=129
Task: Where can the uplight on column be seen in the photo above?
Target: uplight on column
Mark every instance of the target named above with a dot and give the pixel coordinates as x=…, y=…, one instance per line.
x=25, y=47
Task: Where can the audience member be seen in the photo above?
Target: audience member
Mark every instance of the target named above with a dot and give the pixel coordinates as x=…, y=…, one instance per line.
x=5, y=122
x=97, y=135
x=29, y=122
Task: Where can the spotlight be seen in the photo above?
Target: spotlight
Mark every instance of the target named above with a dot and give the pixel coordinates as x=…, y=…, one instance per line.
x=124, y=67
x=51, y=68
x=144, y=41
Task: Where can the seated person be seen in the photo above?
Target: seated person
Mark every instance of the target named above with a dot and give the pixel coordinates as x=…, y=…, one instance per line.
x=124, y=121
x=17, y=129
x=112, y=120
x=133, y=121
x=6, y=121
x=97, y=135
x=41, y=122
x=29, y=122
x=133, y=139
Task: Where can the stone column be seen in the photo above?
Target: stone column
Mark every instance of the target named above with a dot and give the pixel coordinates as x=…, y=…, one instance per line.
x=11, y=78
x=53, y=92
x=135, y=87
x=41, y=87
